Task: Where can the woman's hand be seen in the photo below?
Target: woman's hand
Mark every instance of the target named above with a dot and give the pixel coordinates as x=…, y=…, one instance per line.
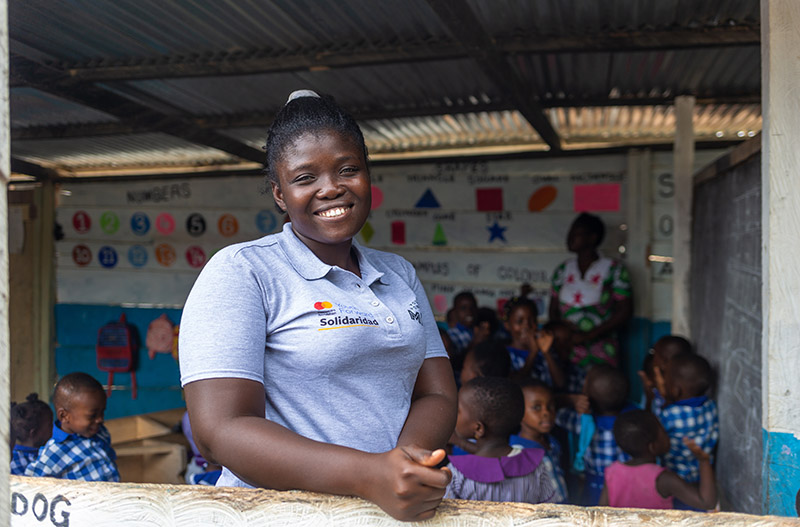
x=544, y=340
x=405, y=482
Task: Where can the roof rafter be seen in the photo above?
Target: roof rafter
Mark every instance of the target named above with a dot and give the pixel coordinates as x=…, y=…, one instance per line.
x=462, y=23
x=130, y=113
x=271, y=61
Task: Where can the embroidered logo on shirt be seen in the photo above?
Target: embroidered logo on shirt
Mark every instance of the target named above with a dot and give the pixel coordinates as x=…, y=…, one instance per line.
x=413, y=312
x=333, y=315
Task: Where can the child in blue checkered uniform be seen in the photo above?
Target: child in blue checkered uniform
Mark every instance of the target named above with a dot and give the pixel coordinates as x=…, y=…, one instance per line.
x=660, y=356
x=688, y=412
x=31, y=426
x=81, y=446
x=530, y=350
x=605, y=396
x=537, y=423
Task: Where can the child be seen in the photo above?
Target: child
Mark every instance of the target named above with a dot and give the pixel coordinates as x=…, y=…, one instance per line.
x=81, y=446
x=487, y=359
x=688, y=412
x=605, y=396
x=537, y=423
x=489, y=411
x=663, y=351
x=31, y=427
x=529, y=349
x=562, y=333
x=465, y=309
x=640, y=482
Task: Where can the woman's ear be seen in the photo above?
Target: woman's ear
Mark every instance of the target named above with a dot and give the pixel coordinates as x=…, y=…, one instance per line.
x=277, y=195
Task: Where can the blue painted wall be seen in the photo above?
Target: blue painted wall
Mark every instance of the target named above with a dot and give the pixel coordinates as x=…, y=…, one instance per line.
x=781, y=464
x=158, y=380
x=636, y=341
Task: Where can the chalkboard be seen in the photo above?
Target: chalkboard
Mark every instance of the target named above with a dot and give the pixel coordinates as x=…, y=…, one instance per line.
x=726, y=317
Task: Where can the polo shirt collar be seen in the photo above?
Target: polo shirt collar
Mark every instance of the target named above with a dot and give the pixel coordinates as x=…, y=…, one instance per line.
x=59, y=436
x=307, y=265
x=694, y=402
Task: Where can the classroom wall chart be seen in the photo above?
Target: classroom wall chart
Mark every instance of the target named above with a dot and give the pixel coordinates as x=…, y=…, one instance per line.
x=481, y=226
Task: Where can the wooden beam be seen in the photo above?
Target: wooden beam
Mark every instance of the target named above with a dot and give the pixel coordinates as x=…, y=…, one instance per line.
x=129, y=112
x=273, y=61
x=20, y=166
x=126, y=504
x=682, y=214
x=458, y=17
x=259, y=119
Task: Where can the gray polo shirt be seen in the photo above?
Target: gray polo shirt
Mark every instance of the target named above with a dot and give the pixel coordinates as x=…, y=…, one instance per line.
x=338, y=355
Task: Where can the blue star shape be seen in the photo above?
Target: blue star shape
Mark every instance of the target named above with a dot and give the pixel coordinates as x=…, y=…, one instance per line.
x=496, y=232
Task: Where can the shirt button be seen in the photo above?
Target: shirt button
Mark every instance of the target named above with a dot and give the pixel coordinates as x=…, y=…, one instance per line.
x=358, y=286
x=376, y=303
x=390, y=319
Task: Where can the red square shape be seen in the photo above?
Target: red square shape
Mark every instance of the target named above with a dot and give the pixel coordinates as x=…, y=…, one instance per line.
x=489, y=199
x=399, y=232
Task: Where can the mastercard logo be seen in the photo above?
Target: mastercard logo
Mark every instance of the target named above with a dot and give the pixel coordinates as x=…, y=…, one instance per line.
x=323, y=305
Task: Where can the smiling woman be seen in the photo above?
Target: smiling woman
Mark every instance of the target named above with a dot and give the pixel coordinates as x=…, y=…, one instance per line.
x=334, y=343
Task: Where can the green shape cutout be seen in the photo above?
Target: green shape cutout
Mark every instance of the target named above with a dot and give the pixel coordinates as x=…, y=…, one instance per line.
x=367, y=232
x=438, y=236
x=109, y=222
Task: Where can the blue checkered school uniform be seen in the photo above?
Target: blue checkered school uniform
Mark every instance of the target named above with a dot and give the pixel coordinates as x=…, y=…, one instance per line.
x=461, y=337
x=576, y=376
x=602, y=450
x=70, y=456
x=21, y=457
x=697, y=419
x=540, y=370
x=553, y=453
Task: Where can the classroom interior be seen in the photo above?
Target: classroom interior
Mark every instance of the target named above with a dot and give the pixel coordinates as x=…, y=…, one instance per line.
x=136, y=129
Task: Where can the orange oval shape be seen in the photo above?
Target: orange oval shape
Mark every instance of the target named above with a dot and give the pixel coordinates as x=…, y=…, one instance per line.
x=542, y=198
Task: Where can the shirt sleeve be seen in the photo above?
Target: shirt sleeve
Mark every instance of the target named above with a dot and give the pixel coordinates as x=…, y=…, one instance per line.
x=44, y=465
x=434, y=344
x=621, y=282
x=224, y=323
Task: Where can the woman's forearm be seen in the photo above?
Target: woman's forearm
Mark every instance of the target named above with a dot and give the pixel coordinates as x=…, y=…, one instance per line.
x=434, y=406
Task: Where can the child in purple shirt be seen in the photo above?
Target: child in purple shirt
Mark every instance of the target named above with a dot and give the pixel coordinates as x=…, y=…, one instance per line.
x=489, y=411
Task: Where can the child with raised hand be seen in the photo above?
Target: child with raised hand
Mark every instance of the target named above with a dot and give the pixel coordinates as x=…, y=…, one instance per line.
x=641, y=482
x=489, y=411
x=562, y=332
x=592, y=419
x=537, y=423
x=81, y=446
x=688, y=413
x=662, y=352
x=31, y=427
x=530, y=349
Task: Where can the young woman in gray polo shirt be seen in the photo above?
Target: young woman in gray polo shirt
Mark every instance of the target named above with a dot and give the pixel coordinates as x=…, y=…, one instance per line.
x=334, y=343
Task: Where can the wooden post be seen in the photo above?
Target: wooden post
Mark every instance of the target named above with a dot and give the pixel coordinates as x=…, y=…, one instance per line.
x=5, y=171
x=682, y=235
x=780, y=194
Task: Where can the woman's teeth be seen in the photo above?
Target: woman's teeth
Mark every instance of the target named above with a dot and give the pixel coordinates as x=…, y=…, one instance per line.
x=332, y=213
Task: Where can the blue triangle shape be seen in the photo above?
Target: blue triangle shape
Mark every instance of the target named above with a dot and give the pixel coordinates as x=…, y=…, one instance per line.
x=428, y=201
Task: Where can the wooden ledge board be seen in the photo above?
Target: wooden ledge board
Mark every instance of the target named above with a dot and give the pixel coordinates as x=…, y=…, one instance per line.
x=65, y=503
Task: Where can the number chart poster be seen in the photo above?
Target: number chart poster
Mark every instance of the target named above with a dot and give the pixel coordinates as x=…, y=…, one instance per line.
x=143, y=243
x=487, y=227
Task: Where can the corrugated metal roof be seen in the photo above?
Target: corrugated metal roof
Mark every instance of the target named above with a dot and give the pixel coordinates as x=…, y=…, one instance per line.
x=432, y=93
x=119, y=152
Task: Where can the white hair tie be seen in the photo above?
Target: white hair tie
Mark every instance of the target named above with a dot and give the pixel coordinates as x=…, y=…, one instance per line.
x=301, y=93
